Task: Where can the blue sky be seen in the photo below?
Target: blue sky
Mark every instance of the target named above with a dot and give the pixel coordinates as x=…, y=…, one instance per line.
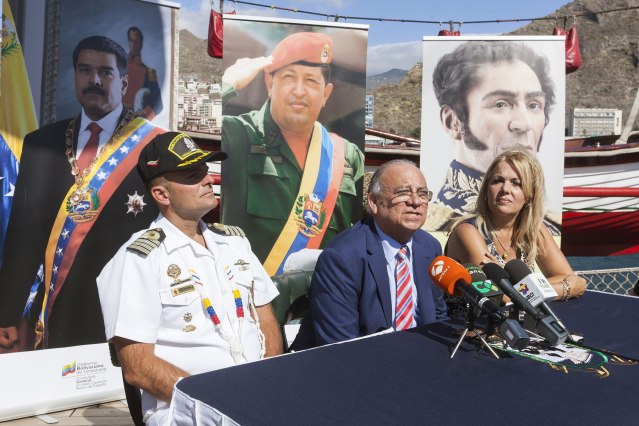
x=391, y=44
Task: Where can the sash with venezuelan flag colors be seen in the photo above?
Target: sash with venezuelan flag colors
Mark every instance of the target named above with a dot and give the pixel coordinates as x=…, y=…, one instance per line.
x=313, y=207
x=17, y=115
x=114, y=163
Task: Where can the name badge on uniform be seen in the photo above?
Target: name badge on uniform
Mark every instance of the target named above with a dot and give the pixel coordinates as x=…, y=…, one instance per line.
x=242, y=265
x=177, y=291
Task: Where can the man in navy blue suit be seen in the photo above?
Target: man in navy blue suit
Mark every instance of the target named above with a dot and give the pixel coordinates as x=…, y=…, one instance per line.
x=355, y=289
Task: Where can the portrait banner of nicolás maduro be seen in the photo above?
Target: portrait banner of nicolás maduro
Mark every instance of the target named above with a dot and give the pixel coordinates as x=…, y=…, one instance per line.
x=71, y=212
x=482, y=96
x=105, y=92
x=293, y=97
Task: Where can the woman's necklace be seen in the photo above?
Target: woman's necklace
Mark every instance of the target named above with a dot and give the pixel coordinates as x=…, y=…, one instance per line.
x=505, y=255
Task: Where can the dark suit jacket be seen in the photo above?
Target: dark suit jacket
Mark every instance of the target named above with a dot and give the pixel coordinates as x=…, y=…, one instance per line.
x=350, y=292
x=43, y=181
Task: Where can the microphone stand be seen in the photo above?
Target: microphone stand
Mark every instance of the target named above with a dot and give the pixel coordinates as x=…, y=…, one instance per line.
x=470, y=326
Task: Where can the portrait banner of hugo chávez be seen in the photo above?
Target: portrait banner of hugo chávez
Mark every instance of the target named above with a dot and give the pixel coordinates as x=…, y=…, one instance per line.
x=78, y=197
x=483, y=96
x=293, y=127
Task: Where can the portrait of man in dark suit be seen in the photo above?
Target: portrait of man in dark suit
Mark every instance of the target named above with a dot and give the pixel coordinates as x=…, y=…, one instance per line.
x=374, y=276
x=78, y=198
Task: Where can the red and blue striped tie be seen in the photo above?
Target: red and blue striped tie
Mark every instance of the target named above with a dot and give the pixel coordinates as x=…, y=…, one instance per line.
x=404, y=301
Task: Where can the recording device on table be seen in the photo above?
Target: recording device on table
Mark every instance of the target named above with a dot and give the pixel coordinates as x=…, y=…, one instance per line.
x=454, y=279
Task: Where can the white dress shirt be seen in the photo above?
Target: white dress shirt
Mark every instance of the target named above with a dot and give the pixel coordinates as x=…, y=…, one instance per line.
x=108, y=123
x=391, y=248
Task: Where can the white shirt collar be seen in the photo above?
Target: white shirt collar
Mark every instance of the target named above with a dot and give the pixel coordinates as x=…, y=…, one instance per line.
x=108, y=123
x=391, y=247
x=175, y=238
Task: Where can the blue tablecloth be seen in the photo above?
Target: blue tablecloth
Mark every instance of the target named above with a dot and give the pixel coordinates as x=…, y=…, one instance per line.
x=409, y=378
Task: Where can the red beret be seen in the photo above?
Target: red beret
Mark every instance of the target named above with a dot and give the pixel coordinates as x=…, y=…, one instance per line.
x=315, y=48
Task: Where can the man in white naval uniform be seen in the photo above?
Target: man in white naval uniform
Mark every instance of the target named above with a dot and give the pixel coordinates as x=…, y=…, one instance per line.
x=182, y=297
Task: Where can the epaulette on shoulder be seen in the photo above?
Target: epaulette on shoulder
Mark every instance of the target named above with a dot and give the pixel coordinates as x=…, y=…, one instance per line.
x=147, y=242
x=228, y=230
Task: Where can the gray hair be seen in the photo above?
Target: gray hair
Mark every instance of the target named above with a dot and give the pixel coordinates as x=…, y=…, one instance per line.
x=375, y=186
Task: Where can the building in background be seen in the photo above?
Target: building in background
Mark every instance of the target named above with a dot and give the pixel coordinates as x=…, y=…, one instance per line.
x=370, y=108
x=199, y=106
x=596, y=122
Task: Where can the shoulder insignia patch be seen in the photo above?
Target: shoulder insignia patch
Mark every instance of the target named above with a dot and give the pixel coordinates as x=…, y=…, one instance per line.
x=228, y=230
x=147, y=242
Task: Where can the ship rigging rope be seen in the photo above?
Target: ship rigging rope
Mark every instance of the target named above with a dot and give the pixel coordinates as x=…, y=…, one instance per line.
x=337, y=17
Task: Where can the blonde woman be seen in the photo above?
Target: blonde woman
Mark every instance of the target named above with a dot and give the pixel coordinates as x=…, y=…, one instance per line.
x=508, y=223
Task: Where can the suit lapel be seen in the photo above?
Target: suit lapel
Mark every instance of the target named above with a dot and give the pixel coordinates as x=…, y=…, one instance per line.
x=421, y=263
x=377, y=265
x=76, y=131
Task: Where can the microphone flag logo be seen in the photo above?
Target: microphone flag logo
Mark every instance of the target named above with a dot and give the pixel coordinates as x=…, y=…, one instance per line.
x=484, y=286
x=523, y=289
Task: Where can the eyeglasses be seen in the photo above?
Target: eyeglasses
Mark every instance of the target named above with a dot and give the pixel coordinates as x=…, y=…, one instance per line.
x=403, y=195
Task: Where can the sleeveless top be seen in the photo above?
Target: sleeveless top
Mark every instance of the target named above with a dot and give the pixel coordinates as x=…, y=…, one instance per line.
x=490, y=244
x=458, y=307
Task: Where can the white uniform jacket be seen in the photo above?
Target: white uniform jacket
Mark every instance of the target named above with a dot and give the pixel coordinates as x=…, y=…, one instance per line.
x=158, y=298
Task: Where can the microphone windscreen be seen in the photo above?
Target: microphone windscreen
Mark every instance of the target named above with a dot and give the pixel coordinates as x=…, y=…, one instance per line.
x=482, y=283
x=445, y=272
x=517, y=270
x=526, y=280
x=495, y=272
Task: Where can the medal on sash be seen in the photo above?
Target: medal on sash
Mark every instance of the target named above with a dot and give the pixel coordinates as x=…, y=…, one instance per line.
x=82, y=205
x=84, y=202
x=313, y=207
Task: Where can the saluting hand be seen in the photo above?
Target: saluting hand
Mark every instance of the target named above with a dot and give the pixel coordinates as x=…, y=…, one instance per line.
x=243, y=72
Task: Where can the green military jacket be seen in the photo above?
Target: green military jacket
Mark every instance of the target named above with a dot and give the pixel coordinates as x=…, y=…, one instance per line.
x=261, y=180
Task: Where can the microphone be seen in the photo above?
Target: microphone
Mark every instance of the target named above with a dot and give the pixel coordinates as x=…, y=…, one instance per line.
x=482, y=284
x=546, y=326
x=454, y=279
x=533, y=286
x=502, y=280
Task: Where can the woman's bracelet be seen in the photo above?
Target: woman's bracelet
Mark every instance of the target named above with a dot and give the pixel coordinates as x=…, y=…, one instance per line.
x=566, y=293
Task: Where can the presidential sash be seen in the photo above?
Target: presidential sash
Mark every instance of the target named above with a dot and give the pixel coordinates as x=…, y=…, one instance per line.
x=313, y=207
x=81, y=208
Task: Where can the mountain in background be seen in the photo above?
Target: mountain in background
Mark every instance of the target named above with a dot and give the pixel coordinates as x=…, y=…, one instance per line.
x=195, y=62
x=609, y=45
x=393, y=76
x=398, y=106
x=608, y=77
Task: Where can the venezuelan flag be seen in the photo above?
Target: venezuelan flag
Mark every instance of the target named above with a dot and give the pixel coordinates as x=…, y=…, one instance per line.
x=17, y=115
x=68, y=369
